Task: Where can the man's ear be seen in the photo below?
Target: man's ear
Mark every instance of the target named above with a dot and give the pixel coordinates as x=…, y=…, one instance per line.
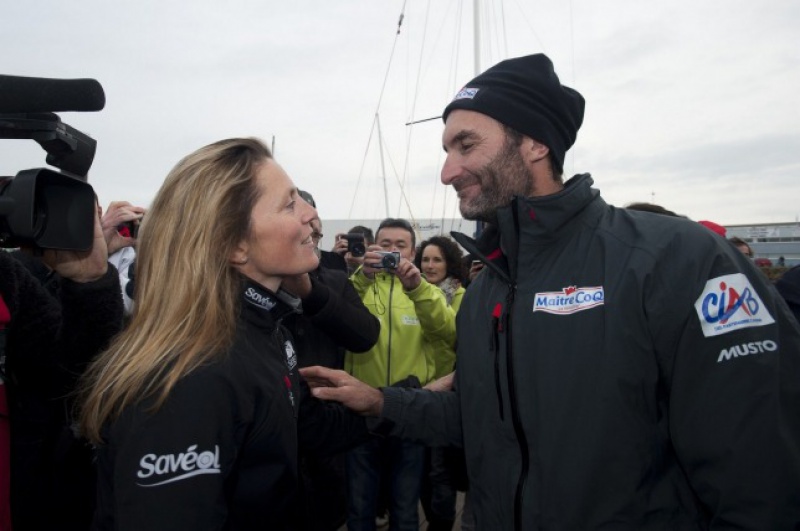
x=533, y=151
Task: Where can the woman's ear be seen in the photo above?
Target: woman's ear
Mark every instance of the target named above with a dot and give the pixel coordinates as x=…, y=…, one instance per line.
x=239, y=254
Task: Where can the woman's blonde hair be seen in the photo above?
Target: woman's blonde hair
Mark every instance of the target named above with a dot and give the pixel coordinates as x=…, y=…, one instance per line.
x=187, y=292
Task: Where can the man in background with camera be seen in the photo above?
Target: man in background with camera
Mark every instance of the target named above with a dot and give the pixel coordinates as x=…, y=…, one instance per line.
x=413, y=314
x=352, y=246
x=120, y=224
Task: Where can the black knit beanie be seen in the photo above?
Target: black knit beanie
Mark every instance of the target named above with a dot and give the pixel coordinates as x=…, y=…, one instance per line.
x=525, y=94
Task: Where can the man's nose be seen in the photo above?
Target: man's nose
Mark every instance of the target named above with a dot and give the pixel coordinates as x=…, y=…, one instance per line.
x=450, y=171
x=311, y=212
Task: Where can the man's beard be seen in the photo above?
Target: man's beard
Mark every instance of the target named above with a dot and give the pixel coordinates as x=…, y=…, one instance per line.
x=504, y=177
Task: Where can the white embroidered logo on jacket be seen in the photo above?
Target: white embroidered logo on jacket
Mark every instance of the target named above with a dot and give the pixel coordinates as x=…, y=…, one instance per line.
x=730, y=303
x=169, y=468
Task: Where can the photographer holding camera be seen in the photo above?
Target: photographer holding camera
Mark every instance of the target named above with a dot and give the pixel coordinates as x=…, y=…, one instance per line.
x=53, y=332
x=120, y=224
x=414, y=316
x=59, y=305
x=353, y=245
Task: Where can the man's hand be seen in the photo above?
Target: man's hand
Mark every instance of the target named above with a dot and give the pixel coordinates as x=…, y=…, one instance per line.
x=340, y=245
x=117, y=213
x=408, y=274
x=370, y=258
x=330, y=384
x=77, y=266
x=445, y=383
x=474, y=269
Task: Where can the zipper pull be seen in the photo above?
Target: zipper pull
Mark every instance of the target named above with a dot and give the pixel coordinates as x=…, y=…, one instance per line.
x=497, y=329
x=497, y=322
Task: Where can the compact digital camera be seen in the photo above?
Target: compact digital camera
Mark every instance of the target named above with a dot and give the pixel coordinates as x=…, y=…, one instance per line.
x=355, y=243
x=129, y=229
x=389, y=260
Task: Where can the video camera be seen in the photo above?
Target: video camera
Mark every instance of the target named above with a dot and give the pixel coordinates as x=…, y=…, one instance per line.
x=42, y=207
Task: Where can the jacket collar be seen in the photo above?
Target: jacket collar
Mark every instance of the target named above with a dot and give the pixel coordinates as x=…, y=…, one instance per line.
x=533, y=221
x=263, y=306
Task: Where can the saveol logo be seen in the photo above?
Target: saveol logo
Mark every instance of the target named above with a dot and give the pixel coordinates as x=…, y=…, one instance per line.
x=169, y=468
x=730, y=303
x=261, y=300
x=569, y=300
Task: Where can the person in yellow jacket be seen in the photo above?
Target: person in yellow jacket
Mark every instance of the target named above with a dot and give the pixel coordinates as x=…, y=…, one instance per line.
x=414, y=317
x=440, y=260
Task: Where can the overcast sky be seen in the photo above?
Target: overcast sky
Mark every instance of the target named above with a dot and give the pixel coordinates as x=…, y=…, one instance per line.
x=690, y=104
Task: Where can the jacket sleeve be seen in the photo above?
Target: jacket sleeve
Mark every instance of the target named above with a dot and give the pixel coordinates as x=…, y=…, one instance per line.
x=35, y=313
x=730, y=352
x=336, y=308
x=67, y=329
x=437, y=319
x=170, y=466
x=361, y=282
x=92, y=316
x=327, y=428
x=423, y=416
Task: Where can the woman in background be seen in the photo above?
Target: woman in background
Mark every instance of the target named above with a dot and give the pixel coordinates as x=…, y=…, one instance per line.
x=440, y=260
x=196, y=407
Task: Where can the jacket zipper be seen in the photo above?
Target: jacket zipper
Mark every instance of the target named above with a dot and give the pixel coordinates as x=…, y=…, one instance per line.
x=497, y=328
x=389, y=349
x=522, y=440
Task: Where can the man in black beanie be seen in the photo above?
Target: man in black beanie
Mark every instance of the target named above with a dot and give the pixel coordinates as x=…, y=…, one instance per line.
x=616, y=369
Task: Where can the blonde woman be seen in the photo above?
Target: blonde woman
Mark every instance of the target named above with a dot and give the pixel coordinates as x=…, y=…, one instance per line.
x=196, y=407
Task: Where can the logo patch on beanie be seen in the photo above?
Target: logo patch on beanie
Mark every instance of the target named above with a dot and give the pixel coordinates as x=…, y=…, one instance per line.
x=466, y=93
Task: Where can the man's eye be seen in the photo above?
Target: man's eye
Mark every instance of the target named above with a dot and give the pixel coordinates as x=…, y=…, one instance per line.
x=291, y=205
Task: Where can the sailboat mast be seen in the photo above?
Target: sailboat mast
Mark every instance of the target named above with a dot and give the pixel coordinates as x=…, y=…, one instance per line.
x=476, y=40
x=383, y=164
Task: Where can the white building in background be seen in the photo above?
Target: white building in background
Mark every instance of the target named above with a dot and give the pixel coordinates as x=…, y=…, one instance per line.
x=768, y=240
x=771, y=240
x=425, y=228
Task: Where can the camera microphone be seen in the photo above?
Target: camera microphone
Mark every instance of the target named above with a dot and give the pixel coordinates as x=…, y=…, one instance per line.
x=20, y=94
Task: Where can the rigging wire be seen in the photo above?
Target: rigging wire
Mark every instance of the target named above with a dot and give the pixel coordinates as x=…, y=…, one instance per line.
x=378, y=106
x=451, y=81
x=522, y=12
x=493, y=19
x=414, y=106
x=572, y=43
x=505, y=33
x=403, y=196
